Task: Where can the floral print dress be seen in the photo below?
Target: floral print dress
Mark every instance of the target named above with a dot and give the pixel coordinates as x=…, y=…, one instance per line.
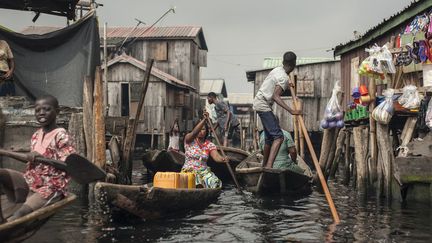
x=197, y=154
x=45, y=179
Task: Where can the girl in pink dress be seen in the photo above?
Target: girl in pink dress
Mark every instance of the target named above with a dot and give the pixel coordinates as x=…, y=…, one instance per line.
x=44, y=183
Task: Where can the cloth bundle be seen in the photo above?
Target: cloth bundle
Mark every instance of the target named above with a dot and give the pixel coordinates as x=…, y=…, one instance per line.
x=384, y=111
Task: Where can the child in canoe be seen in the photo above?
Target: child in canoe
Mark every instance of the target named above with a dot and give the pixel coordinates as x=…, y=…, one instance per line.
x=197, y=151
x=41, y=184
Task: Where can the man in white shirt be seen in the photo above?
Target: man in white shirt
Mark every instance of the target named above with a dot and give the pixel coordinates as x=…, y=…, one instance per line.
x=270, y=91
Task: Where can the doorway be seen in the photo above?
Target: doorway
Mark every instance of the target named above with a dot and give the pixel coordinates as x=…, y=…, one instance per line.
x=124, y=99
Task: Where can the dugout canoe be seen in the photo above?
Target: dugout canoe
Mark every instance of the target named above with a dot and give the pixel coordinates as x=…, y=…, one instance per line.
x=24, y=227
x=148, y=202
x=163, y=160
x=235, y=155
x=273, y=181
x=172, y=161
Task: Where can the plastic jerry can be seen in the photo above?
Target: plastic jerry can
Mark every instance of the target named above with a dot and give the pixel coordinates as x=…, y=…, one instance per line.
x=166, y=180
x=183, y=181
x=190, y=180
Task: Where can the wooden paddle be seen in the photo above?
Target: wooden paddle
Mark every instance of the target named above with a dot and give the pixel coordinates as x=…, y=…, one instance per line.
x=78, y=167
x=223, y=154
x=315, y=160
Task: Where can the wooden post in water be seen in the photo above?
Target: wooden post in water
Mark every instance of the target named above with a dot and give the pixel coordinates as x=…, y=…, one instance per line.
x=99, y=121
x=373, y=148
x=340, y=143
x=386, y=158
x=88, y=116
x=347, y=172
x=129, y=144
x=360, y=147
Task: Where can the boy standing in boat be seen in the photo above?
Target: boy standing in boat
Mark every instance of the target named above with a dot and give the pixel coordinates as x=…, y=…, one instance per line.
x=44, y=183
x=270, y=91
x=226, y=121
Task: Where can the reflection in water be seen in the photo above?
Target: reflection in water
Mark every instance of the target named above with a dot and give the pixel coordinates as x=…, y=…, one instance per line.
x=250, y=219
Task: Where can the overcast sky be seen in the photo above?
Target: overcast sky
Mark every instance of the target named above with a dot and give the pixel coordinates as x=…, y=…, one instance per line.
x=240, y=33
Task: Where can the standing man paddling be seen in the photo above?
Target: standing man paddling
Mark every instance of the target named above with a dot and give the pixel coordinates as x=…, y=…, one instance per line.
x=270, y=91
x=227, y=122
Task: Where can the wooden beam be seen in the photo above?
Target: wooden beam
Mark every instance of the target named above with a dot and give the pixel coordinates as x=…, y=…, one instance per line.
x=386, y=158
x=99, y=121
x=129, y=143
x=88, y=116
x=360, y=147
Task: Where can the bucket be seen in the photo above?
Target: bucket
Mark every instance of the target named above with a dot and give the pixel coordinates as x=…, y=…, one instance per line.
x=365, y=99
x=356, y=93
x=363, y=90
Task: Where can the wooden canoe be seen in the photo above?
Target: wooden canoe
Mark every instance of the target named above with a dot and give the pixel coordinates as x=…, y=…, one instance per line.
x=24, y=227
x=163, y=160
x=148, y=202
x=274, y=181
x=235, y=156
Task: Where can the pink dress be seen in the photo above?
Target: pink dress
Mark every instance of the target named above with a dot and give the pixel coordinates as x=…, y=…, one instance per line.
x=45, y=179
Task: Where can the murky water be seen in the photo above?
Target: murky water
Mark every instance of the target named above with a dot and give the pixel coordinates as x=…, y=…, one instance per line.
x=246, y=218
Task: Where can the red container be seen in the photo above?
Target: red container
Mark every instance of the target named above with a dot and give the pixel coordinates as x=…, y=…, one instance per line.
x=363, y=90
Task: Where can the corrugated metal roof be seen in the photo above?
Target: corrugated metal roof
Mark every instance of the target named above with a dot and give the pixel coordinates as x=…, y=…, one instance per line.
x=272, y=62
x=387, y=25
x=118, y=34
x=156, y=72
x=213, y=85
x=240, y=98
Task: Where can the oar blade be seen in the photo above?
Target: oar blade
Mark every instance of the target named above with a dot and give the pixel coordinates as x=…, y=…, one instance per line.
x=82, y=170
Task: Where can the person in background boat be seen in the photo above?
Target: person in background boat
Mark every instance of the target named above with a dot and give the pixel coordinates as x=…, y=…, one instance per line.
x=287, y=155
x=228, y=124
x=7, y=68
x=44, y=183
x=270, y=91
x=197, y=151
x=174, y=137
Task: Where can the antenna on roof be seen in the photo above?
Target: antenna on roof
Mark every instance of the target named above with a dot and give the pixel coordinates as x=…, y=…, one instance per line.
x=127, y=37
x=172, y=9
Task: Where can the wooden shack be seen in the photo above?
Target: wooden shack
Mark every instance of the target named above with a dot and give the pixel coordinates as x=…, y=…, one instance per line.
x=179, y=53
x=314, y=84
x=241, y=106
x=164, y=102
x=379, y=165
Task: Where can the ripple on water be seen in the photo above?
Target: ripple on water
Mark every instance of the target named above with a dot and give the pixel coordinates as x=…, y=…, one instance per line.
x=246, y=218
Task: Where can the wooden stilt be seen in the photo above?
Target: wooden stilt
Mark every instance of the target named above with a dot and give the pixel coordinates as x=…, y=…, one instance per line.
x=373, y=149
x=99, y=121
x=331, y=155
x=129, y=144
x=88, y=116
x=360, y=147
x=327, y=141
x=340, y=144
x=387, y=158
x=347, y=173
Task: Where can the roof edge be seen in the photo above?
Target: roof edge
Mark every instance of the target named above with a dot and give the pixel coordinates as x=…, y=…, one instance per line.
x=384, y=27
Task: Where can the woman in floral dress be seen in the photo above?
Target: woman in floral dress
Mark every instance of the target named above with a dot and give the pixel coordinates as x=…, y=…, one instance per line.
x=197, y=151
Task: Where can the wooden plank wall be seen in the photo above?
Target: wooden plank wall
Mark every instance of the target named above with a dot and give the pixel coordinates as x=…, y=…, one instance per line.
x=324, y=76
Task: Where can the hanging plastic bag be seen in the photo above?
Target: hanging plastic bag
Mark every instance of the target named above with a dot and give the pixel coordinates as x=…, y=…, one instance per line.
x=428, y=117
x=386, y=60
x=384, y=111
x=410, y=98
x=333, y=115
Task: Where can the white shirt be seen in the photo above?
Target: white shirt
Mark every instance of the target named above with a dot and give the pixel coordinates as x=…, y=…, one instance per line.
x=263, y=100
x=174, y=142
